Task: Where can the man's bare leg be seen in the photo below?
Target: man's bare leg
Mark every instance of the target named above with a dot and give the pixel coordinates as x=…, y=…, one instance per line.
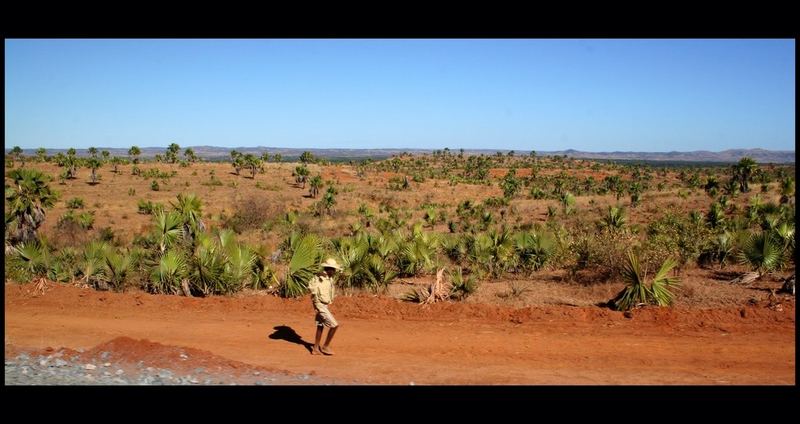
x=316, y=349
x=325, y=349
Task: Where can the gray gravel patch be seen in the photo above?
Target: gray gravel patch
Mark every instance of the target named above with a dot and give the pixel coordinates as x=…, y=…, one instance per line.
x=33, y=369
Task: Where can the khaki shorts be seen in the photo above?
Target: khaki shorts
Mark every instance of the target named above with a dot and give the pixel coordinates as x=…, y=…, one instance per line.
x=325, y=317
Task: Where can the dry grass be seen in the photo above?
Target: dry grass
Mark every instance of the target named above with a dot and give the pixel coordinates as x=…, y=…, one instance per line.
x=705, y=288
x=275, y=190
x=271, y=194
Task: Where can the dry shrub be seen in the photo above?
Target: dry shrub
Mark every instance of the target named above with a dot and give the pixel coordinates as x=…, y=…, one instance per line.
x=69, y=233
x=252, y=212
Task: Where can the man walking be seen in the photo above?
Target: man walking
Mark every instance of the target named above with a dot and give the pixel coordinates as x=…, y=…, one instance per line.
x=322, y=294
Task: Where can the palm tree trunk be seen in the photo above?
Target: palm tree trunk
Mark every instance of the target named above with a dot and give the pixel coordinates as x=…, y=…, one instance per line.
x=788, y=285
x=185, y=288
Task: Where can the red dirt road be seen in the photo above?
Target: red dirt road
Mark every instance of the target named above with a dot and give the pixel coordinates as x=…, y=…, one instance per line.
x=385, y=341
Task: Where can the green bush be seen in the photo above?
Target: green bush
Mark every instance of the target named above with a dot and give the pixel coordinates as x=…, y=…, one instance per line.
x=638, y=292
x=75, y=203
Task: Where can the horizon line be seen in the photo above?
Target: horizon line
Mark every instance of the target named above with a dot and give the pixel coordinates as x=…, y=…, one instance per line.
x=408, y=149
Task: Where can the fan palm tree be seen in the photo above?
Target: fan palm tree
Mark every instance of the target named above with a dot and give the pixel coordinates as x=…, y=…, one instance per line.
x=379, y=273
x=115, y=161
x=91, y=267
x=26, y=200
x=329, y=200
x=534, y=249
x=226, y=238
x=568, y=203
x=134, y=152
x=712, y=185
x=453, y=246
x=306, y=256
x=744, y=169
x=384, y=245
x=762, y=252
x=352, y=253
x=190, y=209
x=190, y=155
x=93, y=163
x=65, y=265
x=461, y=288
x=238, y=163
x=637, y=291
x=614, y=218
x=264, y=276
x=30, y=259
x=418, y=254
x=168, y=229
x=301, y=174
x=252, y=162
x=306, y=157
x=16, y=154
x=172, y=152
x=785, y=233
x=723, y=247
x=315, y=183
x=167, y=275
x=787, y=189
x=206, y=268
x=115, y=269
x=492, y=252
x=238, y=267
x=716, y=215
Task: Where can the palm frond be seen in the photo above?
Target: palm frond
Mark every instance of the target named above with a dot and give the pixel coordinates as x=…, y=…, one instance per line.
x=166, y=276
x=206, y=270
x=637, y=292
x=227, y=238
x=662, y=282
x=461, y=288
x=762, y=253
x=168, y=229
x=379, y=273
x=33, y=258
x=303, y=265
x=239, y=268
x=115, y=269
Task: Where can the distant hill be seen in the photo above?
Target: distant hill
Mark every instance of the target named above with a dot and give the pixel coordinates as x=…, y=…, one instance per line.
x=728, y=156
x=221, y=153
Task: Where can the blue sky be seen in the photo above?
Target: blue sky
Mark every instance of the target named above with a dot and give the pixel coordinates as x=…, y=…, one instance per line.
x=591, y=95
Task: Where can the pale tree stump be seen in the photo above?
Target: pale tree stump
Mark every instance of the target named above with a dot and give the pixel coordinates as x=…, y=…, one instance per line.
x=746, y=278
x=436, y=292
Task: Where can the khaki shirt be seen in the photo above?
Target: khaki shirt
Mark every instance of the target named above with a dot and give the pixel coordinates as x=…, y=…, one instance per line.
x=322, y=289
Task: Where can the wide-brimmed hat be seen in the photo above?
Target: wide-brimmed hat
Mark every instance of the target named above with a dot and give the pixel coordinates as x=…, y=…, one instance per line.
x=331, y=263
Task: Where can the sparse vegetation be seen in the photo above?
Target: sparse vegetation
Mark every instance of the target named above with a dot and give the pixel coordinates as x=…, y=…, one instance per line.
x=411, y=216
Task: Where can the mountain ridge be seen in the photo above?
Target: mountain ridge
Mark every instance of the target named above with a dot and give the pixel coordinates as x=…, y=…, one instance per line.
x=214, y=152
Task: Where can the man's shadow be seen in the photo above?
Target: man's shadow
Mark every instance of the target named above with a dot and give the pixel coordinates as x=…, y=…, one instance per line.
x=283, y=332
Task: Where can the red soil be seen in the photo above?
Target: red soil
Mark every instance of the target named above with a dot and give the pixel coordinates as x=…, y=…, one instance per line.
x=383, y=340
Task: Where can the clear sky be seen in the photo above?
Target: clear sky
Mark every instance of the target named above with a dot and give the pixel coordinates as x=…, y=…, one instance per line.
x=591, y=95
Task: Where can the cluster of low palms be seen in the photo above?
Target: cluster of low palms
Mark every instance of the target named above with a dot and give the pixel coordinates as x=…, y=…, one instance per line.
x=180, y=255
x=372, y=259
x=760, y=236
x=27, y=197
x=177, y=256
